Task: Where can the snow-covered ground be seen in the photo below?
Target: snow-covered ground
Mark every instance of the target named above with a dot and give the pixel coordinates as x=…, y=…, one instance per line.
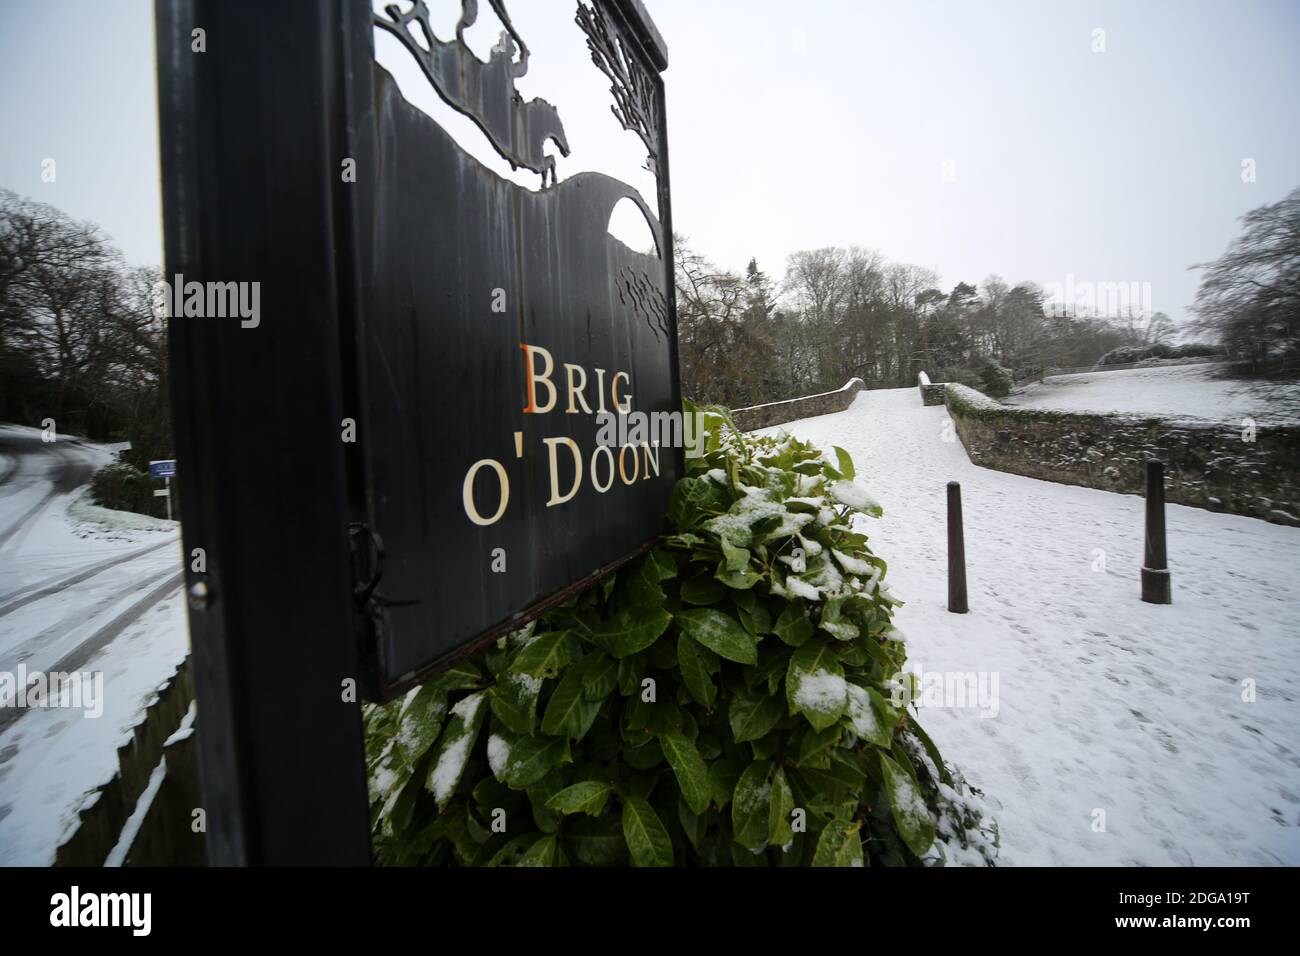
x=1171, y=391
x=1109, y=712
x=81, y=589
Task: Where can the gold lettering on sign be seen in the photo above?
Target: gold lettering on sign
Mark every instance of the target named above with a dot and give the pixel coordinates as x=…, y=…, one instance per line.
x=595, y=482
x=635, y=462
x=649, y=459
x=467, y=492
x=577, y=392
x=622, y=464
x=535, y=379
x=613, y=392
x=551, y=445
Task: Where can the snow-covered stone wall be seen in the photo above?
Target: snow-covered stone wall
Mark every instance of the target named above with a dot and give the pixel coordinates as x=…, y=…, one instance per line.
x=1214, y=466
x=931, y=394
x=144, y=814
x=794, y=409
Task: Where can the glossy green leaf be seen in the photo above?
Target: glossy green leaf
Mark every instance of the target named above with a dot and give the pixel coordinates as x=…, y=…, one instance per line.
x=532, y=758
x=632, y=630
x=545, y=656
x=690, y=770
x=845, y=462
x=569, y=711
x=457, y=741
x=697, y=673
x=911, y=815
x=647, y=840
x=753, y=714
x=815, y=685
x=793, y=626
x=720, y=633
x=703, y=591
x=751, y=806
x=779, y=831
x=840, y=844
x=588, y=797
x=541, y=853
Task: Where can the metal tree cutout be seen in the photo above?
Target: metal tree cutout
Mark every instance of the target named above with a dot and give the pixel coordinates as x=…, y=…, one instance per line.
x=636, y=105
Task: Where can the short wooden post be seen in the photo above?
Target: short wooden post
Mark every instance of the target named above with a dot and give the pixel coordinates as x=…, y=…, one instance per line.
x=1155, y=562
x=956, y=553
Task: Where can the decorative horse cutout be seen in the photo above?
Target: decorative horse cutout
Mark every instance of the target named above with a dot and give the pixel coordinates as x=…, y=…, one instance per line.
x=485, y=92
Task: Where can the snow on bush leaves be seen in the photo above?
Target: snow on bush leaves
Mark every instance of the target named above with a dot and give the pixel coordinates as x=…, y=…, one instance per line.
x=723, y=700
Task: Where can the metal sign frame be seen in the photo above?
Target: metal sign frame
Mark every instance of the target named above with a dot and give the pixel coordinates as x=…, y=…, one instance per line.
x=444, y=232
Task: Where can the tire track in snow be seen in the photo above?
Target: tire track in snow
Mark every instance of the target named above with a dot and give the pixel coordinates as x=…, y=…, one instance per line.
x=62, y=584
x=77, y=658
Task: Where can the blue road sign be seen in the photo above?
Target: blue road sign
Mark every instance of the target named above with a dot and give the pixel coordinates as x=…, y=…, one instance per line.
x=162, y=469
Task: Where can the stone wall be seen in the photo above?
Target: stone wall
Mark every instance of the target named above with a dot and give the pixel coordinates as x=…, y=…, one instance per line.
x=1207, y=465
x=778, y=413
x=931, y=394
x=144, y=813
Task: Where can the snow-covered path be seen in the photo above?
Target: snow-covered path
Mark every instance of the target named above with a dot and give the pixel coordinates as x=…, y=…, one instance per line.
x=1104, y=703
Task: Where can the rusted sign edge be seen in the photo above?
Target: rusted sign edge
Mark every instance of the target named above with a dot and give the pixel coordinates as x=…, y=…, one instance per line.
x=379, y=691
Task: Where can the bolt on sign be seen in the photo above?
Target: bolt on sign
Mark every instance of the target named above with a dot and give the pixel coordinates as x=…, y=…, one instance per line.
x=500, y=324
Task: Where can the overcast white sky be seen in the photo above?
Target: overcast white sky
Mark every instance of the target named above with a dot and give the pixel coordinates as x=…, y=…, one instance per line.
x=796, y=125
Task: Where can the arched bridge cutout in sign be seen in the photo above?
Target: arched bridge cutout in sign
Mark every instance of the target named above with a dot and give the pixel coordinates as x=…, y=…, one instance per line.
x=630, y=225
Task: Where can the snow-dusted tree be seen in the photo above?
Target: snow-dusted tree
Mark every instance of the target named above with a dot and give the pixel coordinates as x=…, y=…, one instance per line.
x=1250, y=296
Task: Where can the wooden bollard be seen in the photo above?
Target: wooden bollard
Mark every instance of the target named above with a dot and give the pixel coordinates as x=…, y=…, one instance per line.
x=1155, y=560
x=956, y=553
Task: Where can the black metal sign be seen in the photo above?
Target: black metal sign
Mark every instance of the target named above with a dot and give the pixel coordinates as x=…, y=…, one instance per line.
x=399, y=456
x=501, y=326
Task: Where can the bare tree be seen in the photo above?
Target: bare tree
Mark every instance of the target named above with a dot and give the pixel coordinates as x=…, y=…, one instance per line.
x=724, y=348
x=78, y=338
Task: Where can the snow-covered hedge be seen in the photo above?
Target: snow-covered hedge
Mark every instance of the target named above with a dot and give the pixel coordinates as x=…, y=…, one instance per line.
x=1156, y=353
x=726, y=700
x=968, y=400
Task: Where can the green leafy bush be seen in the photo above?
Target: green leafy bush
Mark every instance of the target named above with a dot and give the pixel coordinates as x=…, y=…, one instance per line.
x=123, y=488
x=725, y=700
x=1132, y=354
x=995, y=380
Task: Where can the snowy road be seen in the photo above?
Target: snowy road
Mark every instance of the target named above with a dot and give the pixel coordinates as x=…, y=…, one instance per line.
x=1125, y=733
x=82, y=589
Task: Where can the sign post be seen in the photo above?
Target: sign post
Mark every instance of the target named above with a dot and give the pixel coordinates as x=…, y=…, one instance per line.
x=405, y=451
x=165, y=470
x=252, y=129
